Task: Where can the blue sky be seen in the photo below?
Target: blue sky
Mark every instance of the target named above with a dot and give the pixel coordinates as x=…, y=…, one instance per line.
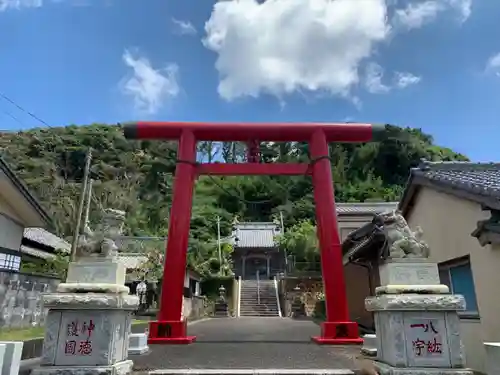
x=433, y=64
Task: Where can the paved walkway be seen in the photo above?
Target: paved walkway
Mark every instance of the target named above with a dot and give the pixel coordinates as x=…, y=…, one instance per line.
x=246, y=343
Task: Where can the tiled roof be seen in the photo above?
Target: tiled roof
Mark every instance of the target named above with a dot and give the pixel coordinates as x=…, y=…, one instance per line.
x=476, y=178
x=365, y=208
x=479, y=182
x=255, y=235
x=46, y=238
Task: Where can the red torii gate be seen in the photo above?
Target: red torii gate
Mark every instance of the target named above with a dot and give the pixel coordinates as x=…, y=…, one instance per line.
x=170, y=328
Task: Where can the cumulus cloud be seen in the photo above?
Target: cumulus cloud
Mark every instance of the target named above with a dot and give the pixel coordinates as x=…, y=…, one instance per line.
x=183, y=27
x=374, y=76
x=150, y=88
x=283, y=46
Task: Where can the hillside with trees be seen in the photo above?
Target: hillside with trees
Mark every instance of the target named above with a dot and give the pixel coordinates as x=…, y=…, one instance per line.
x=136, y=176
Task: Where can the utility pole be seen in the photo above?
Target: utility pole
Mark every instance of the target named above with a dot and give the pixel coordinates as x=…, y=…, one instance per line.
x=219, y=244
x=81, y=203
x=87, y=203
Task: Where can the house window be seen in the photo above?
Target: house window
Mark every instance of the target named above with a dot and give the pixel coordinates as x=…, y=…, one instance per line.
x=10, y=262
x=457, y=274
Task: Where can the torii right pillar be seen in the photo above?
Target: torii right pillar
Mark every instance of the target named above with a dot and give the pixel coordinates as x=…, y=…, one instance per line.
x=337, y=329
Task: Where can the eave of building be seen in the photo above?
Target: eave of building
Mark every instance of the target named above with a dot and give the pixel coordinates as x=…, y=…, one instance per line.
x=43, y=218
x=44, y=237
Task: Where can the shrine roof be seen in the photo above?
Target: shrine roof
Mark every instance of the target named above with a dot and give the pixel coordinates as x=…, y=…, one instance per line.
x=479, y=182
x=364, y=208
x=255, y=235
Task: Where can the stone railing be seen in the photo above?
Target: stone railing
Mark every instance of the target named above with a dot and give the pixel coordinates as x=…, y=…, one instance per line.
x=21, y=302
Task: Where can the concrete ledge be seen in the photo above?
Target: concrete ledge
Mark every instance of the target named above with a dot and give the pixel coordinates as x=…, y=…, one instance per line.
x=412, y=289
x=384, y=369
x=251, y=372
x=90, y=301
x=120, y=368
x=416, y=302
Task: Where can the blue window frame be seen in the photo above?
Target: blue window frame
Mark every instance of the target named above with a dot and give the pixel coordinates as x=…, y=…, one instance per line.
x=458, y=276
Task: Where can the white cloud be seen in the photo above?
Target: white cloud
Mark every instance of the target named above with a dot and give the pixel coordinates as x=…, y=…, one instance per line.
x=150, y=88
x=19, y=4
x=374, y=76
x=415, y=15
x=405, y=79
x=280, y=47
x=183, y=27
x=24, y=4
x=418, y=13
x=493, y=64
x=373, y=80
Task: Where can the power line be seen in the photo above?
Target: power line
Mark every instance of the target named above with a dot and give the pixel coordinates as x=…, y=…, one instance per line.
x=5, y=97
x=12, y=117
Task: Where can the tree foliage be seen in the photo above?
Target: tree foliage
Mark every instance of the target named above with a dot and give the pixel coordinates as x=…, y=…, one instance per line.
x=136, y=176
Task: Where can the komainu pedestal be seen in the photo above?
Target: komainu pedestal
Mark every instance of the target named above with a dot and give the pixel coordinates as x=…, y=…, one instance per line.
x=416, y=318
x=89, y=319
x=417, y=324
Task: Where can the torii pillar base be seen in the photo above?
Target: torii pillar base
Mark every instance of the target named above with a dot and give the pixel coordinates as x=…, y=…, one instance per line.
x=338, y=333
x=165, y=332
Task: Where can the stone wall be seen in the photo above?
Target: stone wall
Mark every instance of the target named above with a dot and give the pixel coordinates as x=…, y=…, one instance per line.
x=21, y=299
x=310, y=290
x=194, y=308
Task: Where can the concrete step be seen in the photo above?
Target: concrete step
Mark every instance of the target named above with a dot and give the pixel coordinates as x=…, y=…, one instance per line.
x=254, y=371
x=259, y=314
x=259, y=307
x=272, y=291
x=255, y=298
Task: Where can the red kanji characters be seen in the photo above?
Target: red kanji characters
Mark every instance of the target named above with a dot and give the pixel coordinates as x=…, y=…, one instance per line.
x=70, y=347
x=434, y=347
x=425, y=327
x=85, y=347
x=418, y=347
x=88, y=328
x=73, y=329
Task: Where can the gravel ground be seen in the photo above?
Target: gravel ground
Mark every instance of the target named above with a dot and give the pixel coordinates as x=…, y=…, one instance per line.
x=248, y=343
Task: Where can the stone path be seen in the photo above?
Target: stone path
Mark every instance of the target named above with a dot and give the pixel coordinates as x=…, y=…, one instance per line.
x=248, y=343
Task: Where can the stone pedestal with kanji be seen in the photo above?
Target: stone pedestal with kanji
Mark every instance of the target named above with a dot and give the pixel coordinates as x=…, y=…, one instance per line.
x=416, y=320
x=89, y=320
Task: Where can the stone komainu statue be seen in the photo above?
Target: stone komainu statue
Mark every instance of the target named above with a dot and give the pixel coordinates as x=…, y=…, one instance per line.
x=402, y=242
x=100, y=243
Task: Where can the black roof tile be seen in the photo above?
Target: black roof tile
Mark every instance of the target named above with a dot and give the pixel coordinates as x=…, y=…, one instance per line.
x=476, y=178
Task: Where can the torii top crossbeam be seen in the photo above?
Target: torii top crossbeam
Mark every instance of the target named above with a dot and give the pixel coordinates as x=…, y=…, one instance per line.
x=277, y=132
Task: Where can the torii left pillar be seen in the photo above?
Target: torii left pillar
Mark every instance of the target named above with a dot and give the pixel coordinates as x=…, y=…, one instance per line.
x=170, y=328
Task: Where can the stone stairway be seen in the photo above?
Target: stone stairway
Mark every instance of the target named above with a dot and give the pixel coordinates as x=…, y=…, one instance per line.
x=249, y=303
